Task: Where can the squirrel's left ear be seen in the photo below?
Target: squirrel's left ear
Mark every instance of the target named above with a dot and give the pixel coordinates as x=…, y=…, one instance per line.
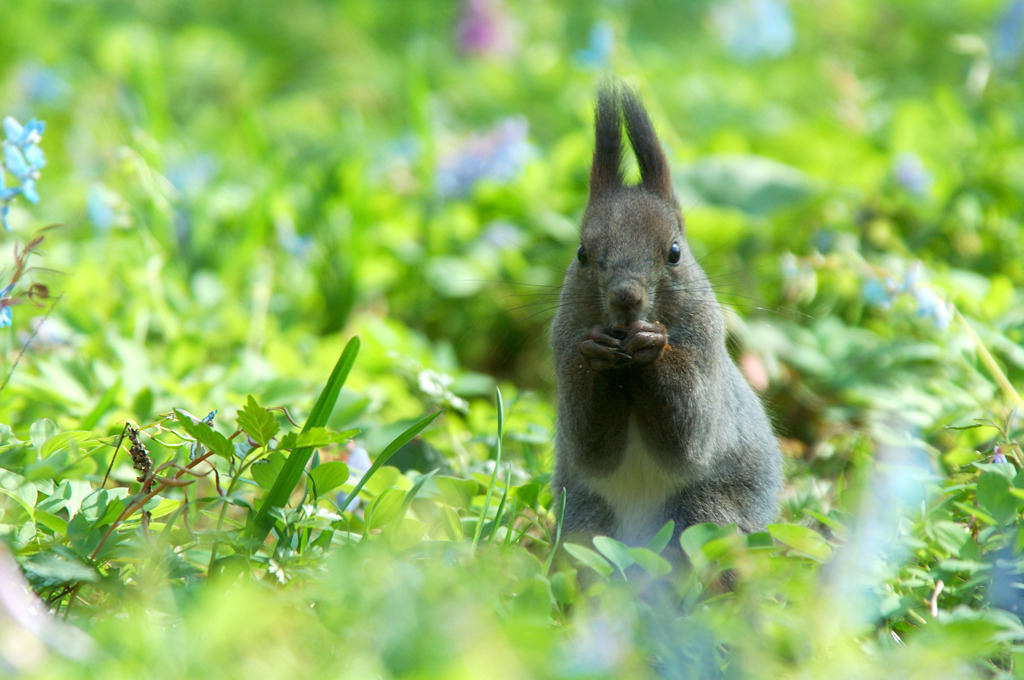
x=655, y=175
x=606, y=170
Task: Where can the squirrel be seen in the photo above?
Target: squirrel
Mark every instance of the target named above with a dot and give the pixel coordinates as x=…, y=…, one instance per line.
x=655, y=422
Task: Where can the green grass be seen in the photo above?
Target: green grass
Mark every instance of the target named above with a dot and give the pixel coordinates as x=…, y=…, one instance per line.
x=242, y=189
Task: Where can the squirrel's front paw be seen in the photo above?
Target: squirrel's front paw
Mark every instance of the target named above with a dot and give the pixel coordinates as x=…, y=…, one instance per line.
x=646, y=341
x=602, y=351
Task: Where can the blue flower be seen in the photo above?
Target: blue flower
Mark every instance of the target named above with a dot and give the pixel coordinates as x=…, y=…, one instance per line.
x=1008, y=46
x=930, y=305
x=6, y=316
x=98, y=203
x=600, y=46
x=41, y=84
x=911, y=174
x=751, y=29
x=23, y=159
x=26, y=135
x=876, y=293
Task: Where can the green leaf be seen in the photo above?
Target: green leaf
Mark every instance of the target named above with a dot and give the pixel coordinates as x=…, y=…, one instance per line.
x=67, y=495
x=692, y=542
x=994, y=496
x=661, y=539
x=315, y=437
x=528, y=493
x=616, y=552
x=102, y=406
x=457, y=492
x=60, y=566
x=62, y=440
x=760, y=540
x=52, y=522
x=206, y=435
x=651, y=562
x=832, y=523
x=257, y=422
x=40, y=432
x=385, y=509
x=410, y=496
x=563, y=588
x=265, y=471
x=259, y=525
x=103, y=506
x=386, y=477
x=451, y=523
x=328, y=476
x=589, y=558
x=22, y=491
x=802, y=540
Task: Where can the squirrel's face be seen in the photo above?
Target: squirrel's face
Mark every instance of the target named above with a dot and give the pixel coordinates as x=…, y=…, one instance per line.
x=633, y=257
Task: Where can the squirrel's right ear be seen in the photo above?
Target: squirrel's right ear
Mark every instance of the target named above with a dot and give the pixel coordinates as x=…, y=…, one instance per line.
x=606, y=171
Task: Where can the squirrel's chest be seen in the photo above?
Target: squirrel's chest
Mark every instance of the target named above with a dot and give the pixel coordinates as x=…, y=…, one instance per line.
x=638, y=490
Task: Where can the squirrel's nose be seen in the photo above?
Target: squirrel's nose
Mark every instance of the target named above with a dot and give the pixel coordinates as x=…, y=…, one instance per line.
x=627, y=300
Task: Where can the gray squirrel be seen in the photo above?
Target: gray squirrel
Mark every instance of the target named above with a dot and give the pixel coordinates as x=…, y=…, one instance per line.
x=655, y=421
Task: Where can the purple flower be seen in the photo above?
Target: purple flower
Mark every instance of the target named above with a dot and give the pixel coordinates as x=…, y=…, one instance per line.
x=486, y=29
x=497, y=155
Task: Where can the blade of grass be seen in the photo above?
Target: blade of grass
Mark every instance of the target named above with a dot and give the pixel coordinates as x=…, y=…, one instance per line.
x=501, y=507
x=513, y=514
x=494, y=477
x=290, y=474
x=391, y=450
x=558, y=534
x=411, y=496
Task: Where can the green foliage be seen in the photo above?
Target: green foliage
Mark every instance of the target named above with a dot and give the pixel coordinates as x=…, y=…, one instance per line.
x=240, y=185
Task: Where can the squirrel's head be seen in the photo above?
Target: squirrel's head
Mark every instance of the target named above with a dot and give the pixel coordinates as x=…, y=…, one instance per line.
x=633, y=255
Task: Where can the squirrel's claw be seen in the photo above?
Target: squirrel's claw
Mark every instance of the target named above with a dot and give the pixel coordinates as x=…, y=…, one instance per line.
x=646, y=341
x=602, y=351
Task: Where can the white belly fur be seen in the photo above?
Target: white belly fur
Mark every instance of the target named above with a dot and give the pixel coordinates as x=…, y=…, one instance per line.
x=637, y=491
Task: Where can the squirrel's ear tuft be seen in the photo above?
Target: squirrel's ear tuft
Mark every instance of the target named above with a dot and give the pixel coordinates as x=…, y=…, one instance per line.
x=606, y=172
x=655, y=175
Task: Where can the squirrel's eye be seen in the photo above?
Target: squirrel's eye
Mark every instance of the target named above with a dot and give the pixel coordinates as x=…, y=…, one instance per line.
x=673, y=253
x=581, y=255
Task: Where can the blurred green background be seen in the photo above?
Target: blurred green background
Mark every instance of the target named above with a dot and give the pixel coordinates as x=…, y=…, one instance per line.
x=244, y=185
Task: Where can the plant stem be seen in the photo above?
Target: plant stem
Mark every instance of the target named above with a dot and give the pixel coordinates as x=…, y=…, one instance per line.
x=991, y=365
